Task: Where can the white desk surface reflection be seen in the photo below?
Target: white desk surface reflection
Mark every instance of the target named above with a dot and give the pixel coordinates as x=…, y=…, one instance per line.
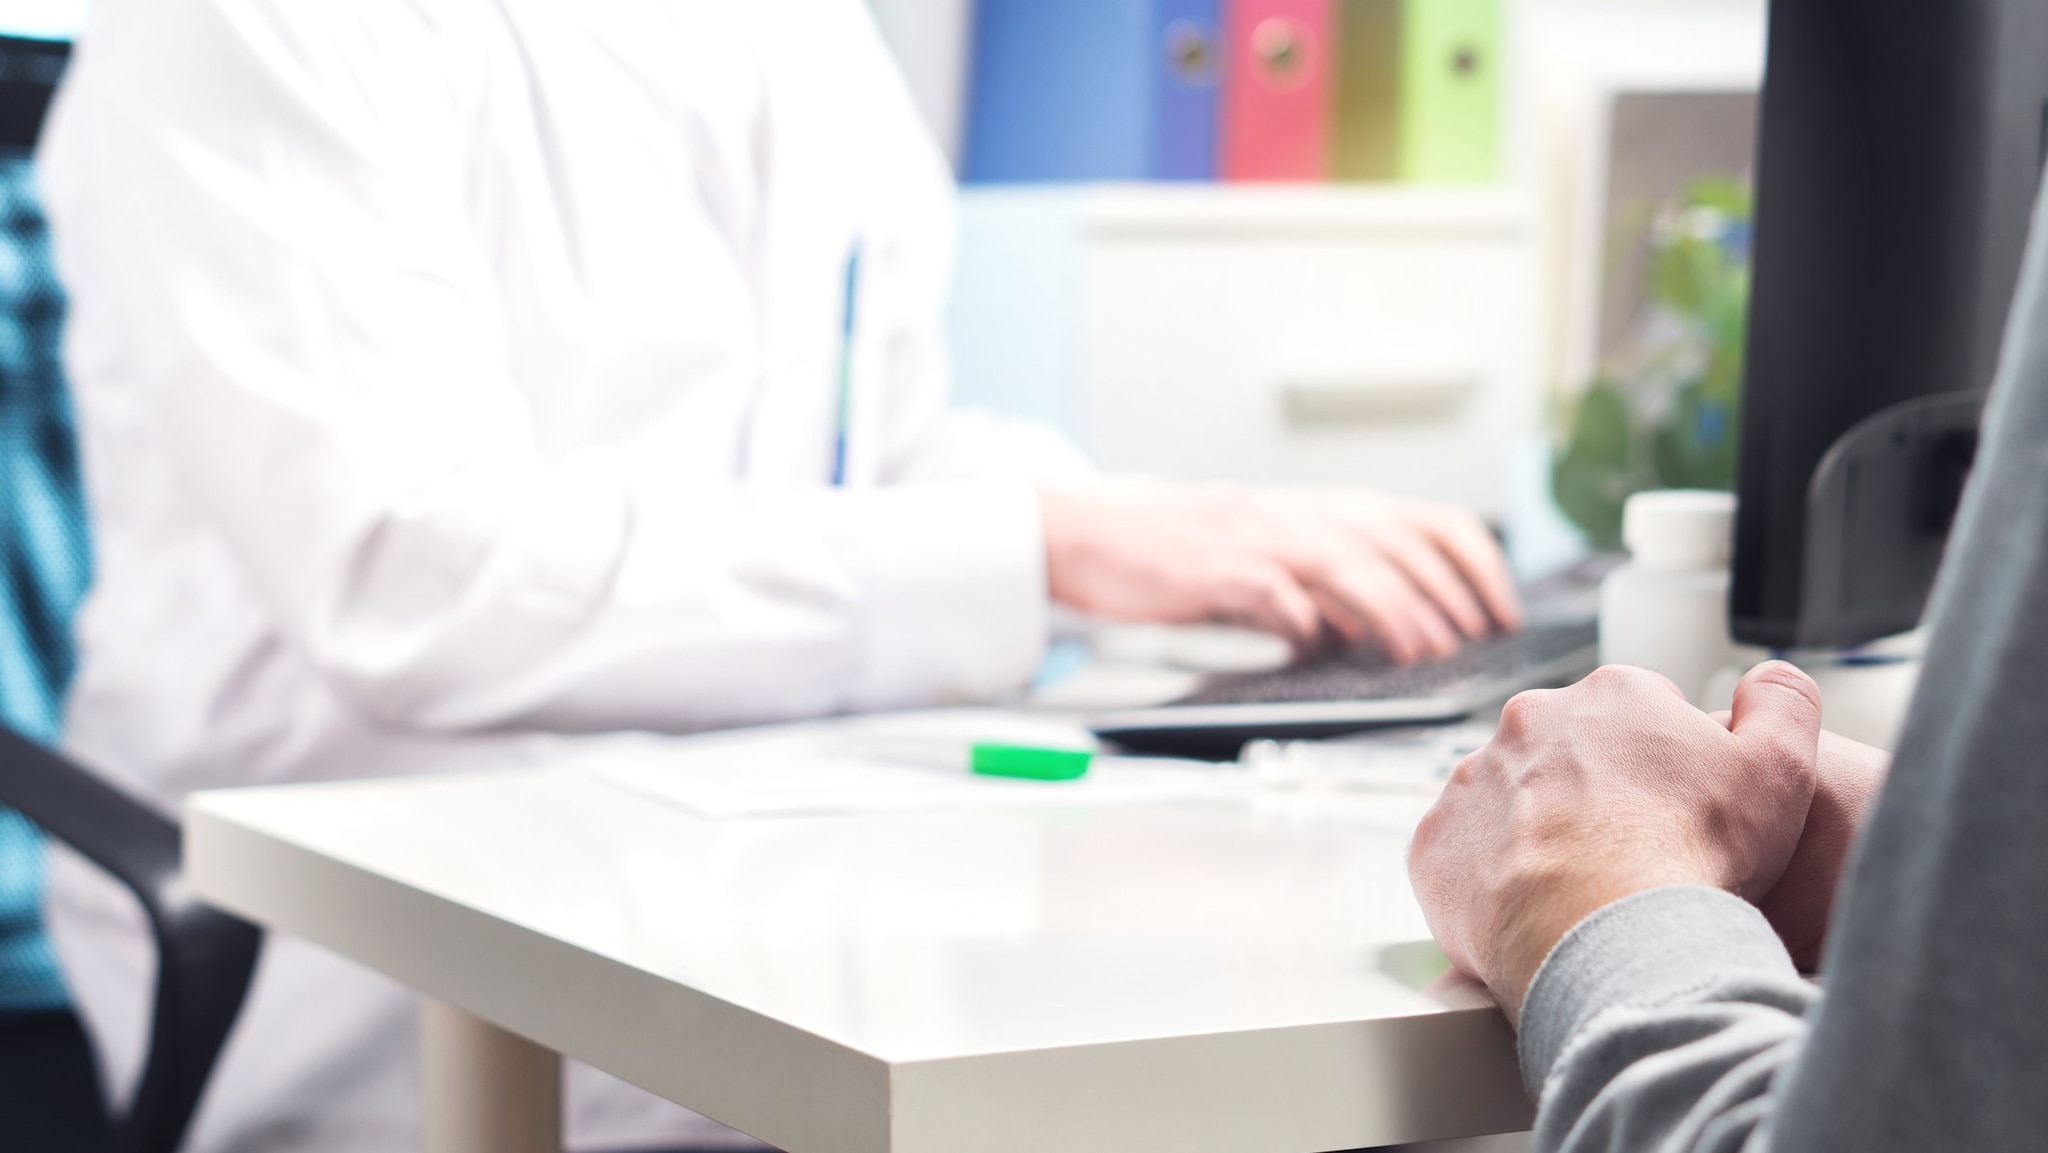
x=1229, y=975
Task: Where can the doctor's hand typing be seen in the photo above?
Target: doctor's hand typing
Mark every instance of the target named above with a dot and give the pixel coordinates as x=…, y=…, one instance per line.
x=1612, y=787
x=1414, y=577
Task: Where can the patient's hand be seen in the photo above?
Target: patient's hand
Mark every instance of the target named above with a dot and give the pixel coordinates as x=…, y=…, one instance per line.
x=1851, y=776
x=1608, y=788
x=1412, y=576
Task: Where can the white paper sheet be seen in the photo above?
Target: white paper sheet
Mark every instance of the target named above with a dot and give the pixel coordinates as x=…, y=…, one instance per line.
x=830, y=767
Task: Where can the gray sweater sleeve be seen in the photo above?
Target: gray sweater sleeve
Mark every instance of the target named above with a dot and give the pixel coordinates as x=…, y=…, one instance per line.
x=1661, y=1022
x=1672, y=1021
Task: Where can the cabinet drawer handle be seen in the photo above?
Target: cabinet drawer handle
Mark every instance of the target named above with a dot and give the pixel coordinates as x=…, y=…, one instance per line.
x=1336, y=398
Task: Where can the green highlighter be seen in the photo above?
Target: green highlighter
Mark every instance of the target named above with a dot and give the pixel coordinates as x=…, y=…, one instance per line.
x=1023, y=762
x=1012, y=759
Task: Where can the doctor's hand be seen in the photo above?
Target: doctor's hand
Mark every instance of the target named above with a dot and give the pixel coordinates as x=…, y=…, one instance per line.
x=1611, y=787
x=1414, y=577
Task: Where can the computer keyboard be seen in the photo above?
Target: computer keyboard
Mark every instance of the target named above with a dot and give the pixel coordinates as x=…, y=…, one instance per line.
x=1361, y=689
x=1368, y=674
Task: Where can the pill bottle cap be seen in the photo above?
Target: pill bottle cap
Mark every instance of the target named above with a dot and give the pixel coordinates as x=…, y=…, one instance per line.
x=1679, y=528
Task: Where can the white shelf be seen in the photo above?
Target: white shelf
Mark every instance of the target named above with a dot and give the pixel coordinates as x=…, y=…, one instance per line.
x=1186, y=211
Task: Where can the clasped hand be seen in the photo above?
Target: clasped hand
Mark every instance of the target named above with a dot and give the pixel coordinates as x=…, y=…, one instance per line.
x=1617, y=785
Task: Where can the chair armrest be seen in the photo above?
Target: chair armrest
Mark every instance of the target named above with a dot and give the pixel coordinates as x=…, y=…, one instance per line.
x=205, y=957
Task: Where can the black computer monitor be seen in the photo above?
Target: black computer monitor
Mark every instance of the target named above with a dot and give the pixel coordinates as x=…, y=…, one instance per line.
x=1900, y=150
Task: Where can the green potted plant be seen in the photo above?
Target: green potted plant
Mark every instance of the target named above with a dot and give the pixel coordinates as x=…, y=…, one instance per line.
x=1664, y=411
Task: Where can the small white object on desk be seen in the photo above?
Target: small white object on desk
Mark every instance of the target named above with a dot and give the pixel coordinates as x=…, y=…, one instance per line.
x=1404, y=760
x=1667, y=608
x=1135, y=666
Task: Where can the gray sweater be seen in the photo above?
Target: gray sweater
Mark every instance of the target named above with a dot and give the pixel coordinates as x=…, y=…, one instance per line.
x=1673, y=1020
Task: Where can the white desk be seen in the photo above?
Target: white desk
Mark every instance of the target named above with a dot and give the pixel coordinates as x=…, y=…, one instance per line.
x=1207, y=977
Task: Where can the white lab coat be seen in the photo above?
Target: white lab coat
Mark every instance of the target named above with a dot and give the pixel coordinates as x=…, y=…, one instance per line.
x=450, y=372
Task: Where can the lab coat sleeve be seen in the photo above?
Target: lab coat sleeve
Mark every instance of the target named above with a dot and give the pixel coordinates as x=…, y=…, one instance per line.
x=274, y=215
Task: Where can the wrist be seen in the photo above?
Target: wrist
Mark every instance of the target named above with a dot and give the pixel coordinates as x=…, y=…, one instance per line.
x=1063, y=519
x=1550, y=904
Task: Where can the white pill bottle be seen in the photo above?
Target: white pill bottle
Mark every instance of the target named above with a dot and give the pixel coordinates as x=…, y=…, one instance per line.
x=1667, y=608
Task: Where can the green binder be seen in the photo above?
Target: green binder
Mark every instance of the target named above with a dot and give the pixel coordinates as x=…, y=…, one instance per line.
x=1418, y=91
x=1367, y=127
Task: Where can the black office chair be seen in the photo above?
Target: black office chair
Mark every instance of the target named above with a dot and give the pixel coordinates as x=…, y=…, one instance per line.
x=205, y=957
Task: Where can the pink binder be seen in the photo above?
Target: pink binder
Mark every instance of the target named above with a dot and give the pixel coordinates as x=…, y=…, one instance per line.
x=1277, y=90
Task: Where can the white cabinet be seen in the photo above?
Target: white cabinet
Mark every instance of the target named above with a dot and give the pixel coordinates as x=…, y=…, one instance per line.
x=1386, y=337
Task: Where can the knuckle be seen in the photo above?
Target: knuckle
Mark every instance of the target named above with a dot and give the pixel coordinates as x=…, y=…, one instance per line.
x=1252, y=598
x=1262, y=589
x=1612, y=677
x=1321, y=567
x=1465, y=773
x=1426, y=833
x=1517, y=717
x=1626, y=680
x=1373, y=597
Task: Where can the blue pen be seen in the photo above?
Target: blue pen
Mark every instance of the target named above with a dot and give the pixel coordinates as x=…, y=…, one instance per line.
x=845, y=414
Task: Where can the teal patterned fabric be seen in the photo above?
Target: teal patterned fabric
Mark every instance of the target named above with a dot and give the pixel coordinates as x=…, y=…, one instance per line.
x=44, y=560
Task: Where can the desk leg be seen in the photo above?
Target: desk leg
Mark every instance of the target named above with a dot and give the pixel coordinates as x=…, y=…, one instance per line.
x=486, y=1090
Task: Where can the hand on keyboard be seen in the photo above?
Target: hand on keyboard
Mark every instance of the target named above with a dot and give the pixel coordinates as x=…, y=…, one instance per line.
x=1414, y=578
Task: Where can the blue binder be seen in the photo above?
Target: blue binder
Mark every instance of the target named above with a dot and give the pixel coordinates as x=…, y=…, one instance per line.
x=1069, y=90
x=1187, y=53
